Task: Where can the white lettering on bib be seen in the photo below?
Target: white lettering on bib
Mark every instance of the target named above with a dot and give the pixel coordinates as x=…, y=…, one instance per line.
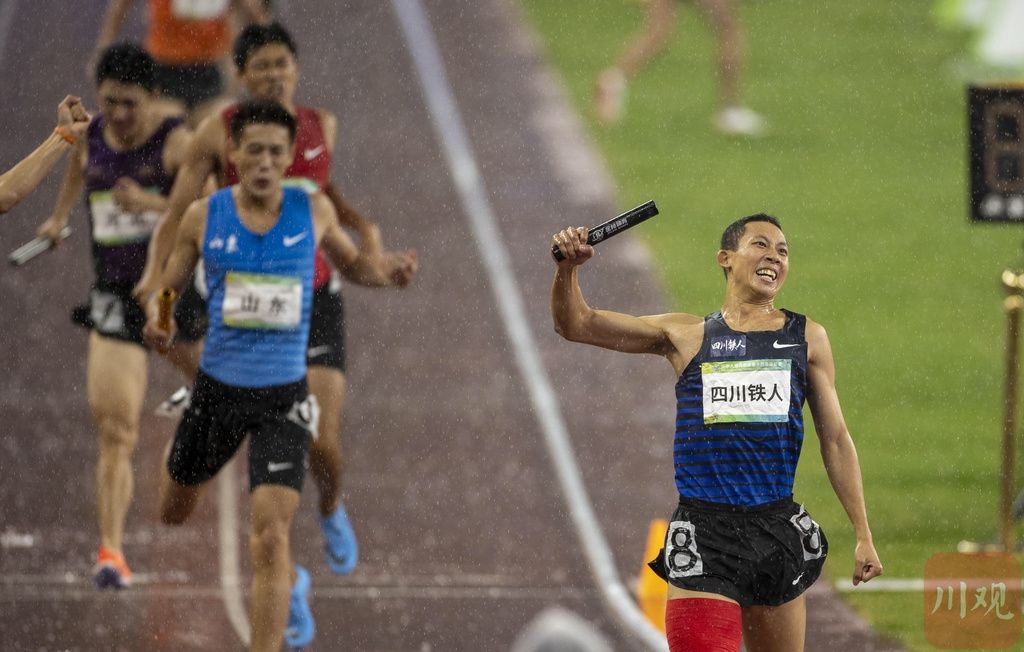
x=751, y=391
x=198, y=9
x=112, y=225
x=262, y=301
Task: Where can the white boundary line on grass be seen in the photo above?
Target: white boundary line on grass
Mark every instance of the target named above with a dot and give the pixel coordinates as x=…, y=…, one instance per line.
x=469, y=184
x=918, y=584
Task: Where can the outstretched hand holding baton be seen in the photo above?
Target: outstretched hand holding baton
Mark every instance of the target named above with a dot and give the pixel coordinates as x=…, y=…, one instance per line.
x=36, y=246
x=576, y=244
x=160, y=328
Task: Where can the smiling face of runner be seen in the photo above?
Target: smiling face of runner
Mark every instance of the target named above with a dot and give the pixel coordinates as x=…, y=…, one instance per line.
x=271, y=72
x=760, y=262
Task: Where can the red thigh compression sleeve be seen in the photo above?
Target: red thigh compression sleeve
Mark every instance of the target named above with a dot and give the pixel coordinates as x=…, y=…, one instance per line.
x=703, y=625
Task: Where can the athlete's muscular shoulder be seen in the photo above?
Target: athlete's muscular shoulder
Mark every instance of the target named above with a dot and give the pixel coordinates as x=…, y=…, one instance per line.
x=821, y=367
x=209, y=137
x=323, y=212
x=685, y=332
x=330, y=237
x=176, y=148
x=818, y=348
x=193, y=223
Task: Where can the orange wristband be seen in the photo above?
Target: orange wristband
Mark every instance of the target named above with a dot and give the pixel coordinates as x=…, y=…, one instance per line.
x=65, y=134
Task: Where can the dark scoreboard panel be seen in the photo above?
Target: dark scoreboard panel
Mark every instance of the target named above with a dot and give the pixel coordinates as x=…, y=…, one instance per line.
x=996, y=123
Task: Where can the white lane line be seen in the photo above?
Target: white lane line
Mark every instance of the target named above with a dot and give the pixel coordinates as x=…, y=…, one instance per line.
x=85, y=591
x=228, y=542
x=468, y=182
x=920, y=585
x=446, y=593
x=62, y=595
x=19, y=581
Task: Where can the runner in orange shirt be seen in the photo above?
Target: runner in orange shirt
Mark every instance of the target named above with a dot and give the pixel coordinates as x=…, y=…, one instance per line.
x=190, y=41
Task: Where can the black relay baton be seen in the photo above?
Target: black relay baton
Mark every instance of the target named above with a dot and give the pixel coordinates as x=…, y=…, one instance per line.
x=614, y=226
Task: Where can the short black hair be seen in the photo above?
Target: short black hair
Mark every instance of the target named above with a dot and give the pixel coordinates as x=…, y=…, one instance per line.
x=256, y=36
x=732, y=234
x=262, y=112
x=127, y=63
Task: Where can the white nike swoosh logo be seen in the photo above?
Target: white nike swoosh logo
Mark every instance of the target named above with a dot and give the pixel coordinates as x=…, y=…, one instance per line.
x=289, y=240
x=274, y=467
x=317, y=350
x=776, y=345
x=311, y=154
x=797, y=579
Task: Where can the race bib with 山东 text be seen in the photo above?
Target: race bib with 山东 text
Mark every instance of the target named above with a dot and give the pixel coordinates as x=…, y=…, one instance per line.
x=262, y=301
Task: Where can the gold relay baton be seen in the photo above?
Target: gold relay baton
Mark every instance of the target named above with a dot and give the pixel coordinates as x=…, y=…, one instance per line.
x=165, y=302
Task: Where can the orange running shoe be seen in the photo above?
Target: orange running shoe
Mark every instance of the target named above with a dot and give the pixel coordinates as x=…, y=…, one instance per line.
x=111, y=570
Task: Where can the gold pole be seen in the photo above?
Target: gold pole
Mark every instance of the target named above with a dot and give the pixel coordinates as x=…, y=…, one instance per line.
x=1012, y=304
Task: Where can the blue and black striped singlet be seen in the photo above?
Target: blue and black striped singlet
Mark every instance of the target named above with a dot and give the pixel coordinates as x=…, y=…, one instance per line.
x=739, y=414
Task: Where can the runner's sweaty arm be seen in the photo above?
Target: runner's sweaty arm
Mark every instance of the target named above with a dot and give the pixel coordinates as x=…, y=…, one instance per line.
x=391, y=269
x=180, y=265
x=18, y=182
x=671, y=335
x=837, y=449
x=200, y=162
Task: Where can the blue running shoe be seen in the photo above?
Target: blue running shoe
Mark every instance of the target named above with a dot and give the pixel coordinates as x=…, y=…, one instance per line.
x=339, y=542
x=300, y=629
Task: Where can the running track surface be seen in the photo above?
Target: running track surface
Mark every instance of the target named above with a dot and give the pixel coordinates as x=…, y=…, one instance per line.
x=463, y=528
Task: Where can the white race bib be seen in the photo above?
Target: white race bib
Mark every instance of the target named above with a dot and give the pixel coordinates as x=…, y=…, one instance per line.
x=751, y=391
x=112, y=225
x=198, y=9
x=262, y=302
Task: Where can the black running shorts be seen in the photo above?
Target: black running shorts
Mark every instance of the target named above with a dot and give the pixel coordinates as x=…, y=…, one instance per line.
x=191, y=84
x=326, y=346
x=763, y=555
x=280, y=421
x=113, y=312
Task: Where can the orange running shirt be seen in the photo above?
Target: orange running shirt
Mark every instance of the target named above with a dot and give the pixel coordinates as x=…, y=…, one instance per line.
x=188, y=32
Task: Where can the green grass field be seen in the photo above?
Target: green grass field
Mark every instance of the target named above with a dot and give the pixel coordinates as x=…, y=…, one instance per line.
x=865, y=165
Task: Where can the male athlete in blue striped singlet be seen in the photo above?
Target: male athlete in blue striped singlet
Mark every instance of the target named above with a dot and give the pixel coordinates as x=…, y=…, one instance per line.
x=739, y=552
x=258, y=240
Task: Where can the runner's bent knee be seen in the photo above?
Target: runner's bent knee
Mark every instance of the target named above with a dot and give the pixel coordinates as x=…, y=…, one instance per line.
x=117, y=432
x=269, y=539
